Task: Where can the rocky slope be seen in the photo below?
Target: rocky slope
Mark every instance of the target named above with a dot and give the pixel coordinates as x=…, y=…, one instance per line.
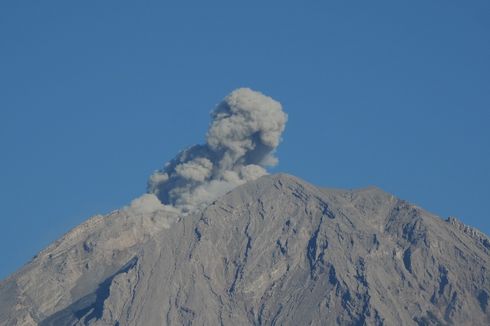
x=275, y=251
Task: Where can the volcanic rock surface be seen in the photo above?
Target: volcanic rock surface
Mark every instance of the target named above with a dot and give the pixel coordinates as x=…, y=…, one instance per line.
x=275, y=251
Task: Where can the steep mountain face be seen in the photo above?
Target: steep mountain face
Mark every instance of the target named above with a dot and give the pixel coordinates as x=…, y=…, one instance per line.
x=273, y=251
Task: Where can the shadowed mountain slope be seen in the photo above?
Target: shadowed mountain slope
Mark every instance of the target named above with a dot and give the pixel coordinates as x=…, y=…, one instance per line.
x=273, y=251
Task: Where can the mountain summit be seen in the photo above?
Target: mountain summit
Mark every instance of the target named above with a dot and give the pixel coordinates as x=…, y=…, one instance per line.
x=218, y=241
x=273, y=251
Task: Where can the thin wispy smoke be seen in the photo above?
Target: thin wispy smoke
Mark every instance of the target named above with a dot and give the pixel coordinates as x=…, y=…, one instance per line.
x=245, y=130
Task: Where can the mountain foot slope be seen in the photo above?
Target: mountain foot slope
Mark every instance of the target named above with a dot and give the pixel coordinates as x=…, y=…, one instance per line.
x=275, y=251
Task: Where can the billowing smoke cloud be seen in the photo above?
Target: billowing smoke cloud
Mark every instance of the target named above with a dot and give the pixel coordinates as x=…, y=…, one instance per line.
x=245, y=130
x=148, y=205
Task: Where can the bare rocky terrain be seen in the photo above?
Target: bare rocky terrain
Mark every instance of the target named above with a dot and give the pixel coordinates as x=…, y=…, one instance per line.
x=275, y=251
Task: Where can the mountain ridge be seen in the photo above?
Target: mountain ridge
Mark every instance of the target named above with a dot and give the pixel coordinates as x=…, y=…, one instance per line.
x=276, y=250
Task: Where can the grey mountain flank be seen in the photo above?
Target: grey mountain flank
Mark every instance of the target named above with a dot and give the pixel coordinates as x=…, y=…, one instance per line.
x=273, y=251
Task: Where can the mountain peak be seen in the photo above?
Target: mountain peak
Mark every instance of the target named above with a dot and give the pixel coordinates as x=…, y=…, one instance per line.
x=274, y=250
x=218, y=241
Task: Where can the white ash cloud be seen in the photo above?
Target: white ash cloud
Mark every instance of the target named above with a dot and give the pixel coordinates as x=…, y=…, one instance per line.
x=245, y=130
x=147, y=204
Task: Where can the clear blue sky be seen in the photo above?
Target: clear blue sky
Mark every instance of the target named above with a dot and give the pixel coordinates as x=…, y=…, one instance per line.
x=95, y=95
